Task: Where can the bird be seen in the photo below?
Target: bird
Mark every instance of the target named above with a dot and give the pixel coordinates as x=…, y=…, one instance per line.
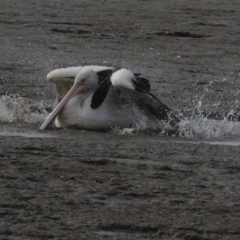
x=104, y=98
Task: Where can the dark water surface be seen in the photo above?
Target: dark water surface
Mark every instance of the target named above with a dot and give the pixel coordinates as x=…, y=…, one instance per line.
x=71, y=184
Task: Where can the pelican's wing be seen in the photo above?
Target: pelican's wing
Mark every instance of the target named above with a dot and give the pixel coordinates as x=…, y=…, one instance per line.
x=150, y=103
x=104, y=84
x=162, y=111
x=63, y=79
x=141, y=84
x=64, y=74
x=126, y=79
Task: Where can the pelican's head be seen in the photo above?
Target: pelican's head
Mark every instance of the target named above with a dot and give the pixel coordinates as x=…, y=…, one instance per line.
x=86, y=81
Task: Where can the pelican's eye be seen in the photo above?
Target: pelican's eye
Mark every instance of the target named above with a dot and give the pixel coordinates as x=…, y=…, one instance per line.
x=83, y=80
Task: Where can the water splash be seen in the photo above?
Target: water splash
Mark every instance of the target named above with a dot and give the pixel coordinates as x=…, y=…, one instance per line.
x=196, y=122
x=18, y=109
x=213, y=129
x=205, y=118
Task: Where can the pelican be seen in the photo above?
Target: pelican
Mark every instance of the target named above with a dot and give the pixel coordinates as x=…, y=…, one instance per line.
x=102, y=98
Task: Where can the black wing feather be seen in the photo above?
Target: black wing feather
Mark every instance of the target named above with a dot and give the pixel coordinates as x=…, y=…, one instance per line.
x=103, y=88
x=141, y=84
x=164, y=112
